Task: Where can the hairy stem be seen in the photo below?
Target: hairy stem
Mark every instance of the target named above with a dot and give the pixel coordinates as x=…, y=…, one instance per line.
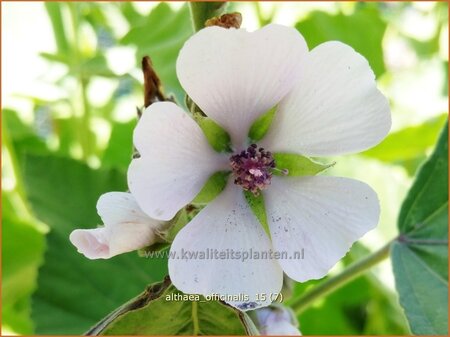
x=335, y=282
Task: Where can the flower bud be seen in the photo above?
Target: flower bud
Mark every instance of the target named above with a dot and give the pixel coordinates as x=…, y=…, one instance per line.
x=277, y=320
x=126, y=228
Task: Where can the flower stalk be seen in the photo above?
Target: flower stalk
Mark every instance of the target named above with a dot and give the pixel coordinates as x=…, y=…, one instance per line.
x=335, y=282
x=202, y=11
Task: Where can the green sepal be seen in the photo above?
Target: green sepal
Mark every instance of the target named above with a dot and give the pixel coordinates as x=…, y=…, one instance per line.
x=215, y=184
x=256, y=204
x=260, y=127
x=296, y=165
x=217, y=137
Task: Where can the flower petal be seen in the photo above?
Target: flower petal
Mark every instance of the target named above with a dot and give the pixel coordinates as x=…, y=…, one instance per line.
x=92, y=243
x=336, y=107
x=234, y=76
x=121, y=207
x=106, y=242
x=321, y=215
x=176, y=161
x=282, y=328
x=126, y=228
x=128, y=237
x=277, y=321
x=226, y=227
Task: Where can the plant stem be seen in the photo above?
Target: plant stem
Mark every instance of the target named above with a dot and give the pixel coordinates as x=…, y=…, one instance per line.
x=87, y=141
x=262, y=19
x=202, y=11
x=22, y=201
x=196, y=331
x=335, y=282
x=85, y=137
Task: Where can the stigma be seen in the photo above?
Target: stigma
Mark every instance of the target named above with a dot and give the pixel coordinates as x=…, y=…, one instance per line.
x=252, y=169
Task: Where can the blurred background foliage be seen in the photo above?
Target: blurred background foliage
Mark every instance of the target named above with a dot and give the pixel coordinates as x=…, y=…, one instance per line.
x=71, y=84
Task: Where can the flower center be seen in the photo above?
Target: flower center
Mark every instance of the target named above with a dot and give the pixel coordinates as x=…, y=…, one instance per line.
x=252, y=168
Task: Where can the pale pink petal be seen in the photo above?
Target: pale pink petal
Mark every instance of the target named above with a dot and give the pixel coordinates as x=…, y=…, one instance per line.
x=126, y=228
x=335, y=108
x=235, y=76
x=92, y=243
x=277, y=321
x=176, y=161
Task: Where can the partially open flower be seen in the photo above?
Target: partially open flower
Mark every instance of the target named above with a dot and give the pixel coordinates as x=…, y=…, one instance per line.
x=327, y=104
x=277, y=321
x=126, y=228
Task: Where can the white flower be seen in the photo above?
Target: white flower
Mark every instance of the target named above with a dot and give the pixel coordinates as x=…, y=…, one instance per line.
x=328, y=104
x=277, y=321
x=126, y=228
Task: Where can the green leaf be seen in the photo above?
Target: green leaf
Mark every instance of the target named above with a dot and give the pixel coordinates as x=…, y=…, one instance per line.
x=131, y=14
x=363, y=30
x=423, y=293
x=57, y=57
x=22, y=251
x=420, y=255
x=217, y=137
x=364, y=306
x=161, y=36
x=95, y=66
x=74, y=292
x=202, y=11
x=120, y=146
x=427, y=199
x=297, y=165
x=256, y=204
x=398, y=148
x=22, y=135
x=260, y=127
x=215, y=184
x=161, y=310
x=16, y=127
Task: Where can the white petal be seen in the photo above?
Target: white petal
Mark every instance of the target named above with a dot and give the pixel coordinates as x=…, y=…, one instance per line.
x=176, y=161
x=225, y=226
x=336, y=107
x=121, y=207
x=128, y=237
x=126, y=229
x=277, y=321
x=282, y=328
x=320, y=215
x=234, y=75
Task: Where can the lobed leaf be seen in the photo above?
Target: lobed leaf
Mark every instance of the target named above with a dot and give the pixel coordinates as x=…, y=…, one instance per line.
x=420, y=255
x=161, y=310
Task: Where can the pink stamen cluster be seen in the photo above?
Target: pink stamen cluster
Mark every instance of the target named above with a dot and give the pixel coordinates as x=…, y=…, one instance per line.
x=252, y=168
